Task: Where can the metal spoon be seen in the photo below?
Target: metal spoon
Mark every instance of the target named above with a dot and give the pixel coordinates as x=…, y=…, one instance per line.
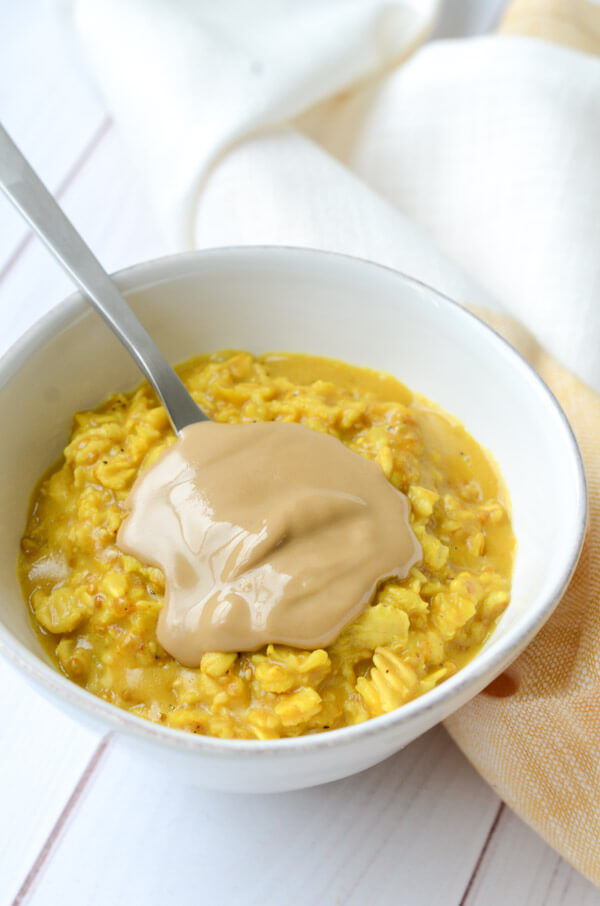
x=33, y=200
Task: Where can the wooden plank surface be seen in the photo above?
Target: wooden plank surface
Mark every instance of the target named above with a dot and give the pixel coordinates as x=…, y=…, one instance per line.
x=47, y=101
x=81, y=823
x=43, y=753
x=357, y=841
x=518, y=867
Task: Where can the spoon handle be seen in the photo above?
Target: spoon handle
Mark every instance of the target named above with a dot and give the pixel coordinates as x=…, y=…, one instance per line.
x=31, y=198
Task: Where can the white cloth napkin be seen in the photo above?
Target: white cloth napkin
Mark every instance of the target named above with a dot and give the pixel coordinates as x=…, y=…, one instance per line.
x=473, y=164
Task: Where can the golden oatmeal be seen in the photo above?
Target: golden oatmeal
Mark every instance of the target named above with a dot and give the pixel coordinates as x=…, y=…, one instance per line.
x=96, y=608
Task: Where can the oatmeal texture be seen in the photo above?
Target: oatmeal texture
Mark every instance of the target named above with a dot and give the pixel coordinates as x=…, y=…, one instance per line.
x=96, y=608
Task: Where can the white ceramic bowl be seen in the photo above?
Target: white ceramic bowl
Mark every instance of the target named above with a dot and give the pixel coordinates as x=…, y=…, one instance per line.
x=269, y=299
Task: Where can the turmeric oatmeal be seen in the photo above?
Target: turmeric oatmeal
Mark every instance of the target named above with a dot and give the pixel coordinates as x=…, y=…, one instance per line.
x=96, y=608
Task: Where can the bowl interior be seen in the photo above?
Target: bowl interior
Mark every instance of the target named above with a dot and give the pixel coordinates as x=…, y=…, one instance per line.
x=292, y=300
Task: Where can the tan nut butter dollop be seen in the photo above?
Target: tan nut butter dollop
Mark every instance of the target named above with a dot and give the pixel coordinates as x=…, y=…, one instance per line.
x=266, y=532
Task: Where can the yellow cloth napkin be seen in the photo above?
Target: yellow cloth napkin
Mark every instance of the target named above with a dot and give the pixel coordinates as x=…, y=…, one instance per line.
x=534, y=734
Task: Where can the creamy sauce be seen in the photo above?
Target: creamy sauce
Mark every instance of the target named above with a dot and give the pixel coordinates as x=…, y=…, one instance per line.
x=265, y=532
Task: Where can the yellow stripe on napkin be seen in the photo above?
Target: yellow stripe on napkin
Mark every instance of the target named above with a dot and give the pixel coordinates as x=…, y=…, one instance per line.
x=573, y=23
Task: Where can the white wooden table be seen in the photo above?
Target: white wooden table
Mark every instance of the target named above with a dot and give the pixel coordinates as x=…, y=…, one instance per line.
x=81, y=821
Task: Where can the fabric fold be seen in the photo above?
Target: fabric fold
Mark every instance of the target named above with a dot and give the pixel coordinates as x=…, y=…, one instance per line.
x=187, y=80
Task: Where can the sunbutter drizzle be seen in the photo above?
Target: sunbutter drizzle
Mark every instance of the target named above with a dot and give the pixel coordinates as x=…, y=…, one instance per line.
x=266, y=532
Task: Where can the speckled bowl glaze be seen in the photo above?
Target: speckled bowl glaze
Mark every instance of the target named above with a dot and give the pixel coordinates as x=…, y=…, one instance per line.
x=296, y=300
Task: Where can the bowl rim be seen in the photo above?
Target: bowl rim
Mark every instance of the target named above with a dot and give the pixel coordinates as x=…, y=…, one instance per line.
x=479, y=672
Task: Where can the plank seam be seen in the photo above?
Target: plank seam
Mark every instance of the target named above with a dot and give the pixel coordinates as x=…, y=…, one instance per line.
x=59, y=827
x=80, y=162
x=481, y=856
